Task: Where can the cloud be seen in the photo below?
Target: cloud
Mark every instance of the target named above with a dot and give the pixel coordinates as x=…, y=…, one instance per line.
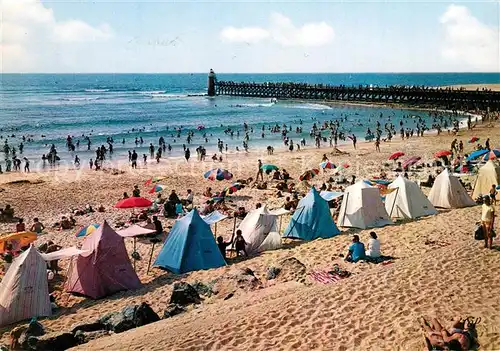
x=468, y=41
x=31, y=35
x=281, y=30
x=245, y=34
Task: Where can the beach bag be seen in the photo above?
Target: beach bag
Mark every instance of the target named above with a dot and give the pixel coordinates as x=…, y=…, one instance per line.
x=479, y=233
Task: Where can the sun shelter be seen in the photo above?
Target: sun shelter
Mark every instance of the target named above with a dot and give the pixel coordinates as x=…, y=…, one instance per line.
x=104, y=269
x=214, y=218
x=448, y=192
x=312, y=219
x=487, y=176
x=260, y=231
x=24, y=290
x=362, y=207
x=408, y=201
x=190, y=246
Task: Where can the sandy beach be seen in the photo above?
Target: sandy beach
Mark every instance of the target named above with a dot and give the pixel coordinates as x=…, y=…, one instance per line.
x=439, y=269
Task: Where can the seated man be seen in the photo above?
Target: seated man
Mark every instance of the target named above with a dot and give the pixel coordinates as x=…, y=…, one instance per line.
x=356, y=250
x=65, y=223
x=189, y=198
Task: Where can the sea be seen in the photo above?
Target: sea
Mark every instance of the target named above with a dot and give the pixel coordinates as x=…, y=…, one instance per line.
x=46, y=108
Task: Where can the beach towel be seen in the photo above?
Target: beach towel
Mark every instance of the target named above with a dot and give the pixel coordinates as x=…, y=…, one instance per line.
x=325, y=277
x=330, y=275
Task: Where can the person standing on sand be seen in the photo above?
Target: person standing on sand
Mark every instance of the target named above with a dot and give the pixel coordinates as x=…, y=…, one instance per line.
x=493, y=194
x=354, y=140
x=377, y=145
x=91, y=163
x=187, y=154
x=260, y=172
x=134, y=159
x=240, y=243
x=26, y=165
x=488, y=221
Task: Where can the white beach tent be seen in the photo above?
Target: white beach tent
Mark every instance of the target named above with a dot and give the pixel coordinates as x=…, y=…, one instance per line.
x=408, y=200
x=24, y=291
x=260, y=231
x=362, y=207
x=448, y=192
x=488, y=175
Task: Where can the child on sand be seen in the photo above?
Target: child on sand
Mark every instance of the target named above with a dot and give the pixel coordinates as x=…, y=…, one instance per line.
x=20, y=226
x=37, y=226
x=239, y=243
x=493, y=194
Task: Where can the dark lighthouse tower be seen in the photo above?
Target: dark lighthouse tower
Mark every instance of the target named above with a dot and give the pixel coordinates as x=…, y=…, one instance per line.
x=211, y=83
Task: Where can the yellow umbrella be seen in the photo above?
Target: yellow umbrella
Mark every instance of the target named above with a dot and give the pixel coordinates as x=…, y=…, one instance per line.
x=17, y=240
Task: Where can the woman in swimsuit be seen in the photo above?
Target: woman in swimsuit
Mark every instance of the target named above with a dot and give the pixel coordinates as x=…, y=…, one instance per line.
x=461, y=335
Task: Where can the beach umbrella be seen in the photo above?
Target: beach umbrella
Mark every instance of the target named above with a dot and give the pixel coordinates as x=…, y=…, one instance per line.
x=442, y=153
x=310, y=174
x=218, y=174
x=381, y=181
x=157, y=188
x=155, y=179
x=396, y=155
x=476, y=154
x=228, y=190
x=327, y=164
x=474, y=139
x=269, y=167
x=492, y=155
x=411, y=161
x=132, y=202
x=87, y=230
x=17, y=240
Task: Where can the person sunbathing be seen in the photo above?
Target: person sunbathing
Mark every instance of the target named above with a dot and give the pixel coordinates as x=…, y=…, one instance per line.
x=461, y=335
x=208, y=192
x=65, y=223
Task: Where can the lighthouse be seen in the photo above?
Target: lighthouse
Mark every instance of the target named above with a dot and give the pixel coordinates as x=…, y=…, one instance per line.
x=211, y=83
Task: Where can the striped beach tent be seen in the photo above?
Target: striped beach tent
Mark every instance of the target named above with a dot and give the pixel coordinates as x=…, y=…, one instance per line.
x=24, y=291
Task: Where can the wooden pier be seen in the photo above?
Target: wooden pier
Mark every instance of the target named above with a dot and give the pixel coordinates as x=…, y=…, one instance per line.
x=445, y=98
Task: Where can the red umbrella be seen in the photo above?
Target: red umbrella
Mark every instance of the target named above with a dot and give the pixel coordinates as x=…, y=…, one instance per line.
x=132, y=202
x=396, y=155
x=442, y=153
x=411, y=161
x=308, y=175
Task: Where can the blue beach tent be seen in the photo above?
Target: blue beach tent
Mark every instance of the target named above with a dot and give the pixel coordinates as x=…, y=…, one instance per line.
x=190, y=246
x=312, y=219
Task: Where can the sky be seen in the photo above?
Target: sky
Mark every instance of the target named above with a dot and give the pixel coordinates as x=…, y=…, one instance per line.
x=83, y=36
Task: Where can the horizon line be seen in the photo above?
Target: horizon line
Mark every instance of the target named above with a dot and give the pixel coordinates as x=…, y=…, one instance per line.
x=260, y=73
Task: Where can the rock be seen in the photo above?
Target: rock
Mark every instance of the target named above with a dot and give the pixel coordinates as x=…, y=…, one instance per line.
x=203, y=289
x=272, y=273
x=234, y=280
x=53, y=341
x=228, y=296
x=88, y=327
x=130, y=317
x=173, y=310
x=20, y=335
x=291, y=269
x=184, y=294
x=84, y=337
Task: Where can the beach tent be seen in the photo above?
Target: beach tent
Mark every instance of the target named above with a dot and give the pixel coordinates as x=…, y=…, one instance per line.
x=408, y=201
x=448, y=192
x=362, y=207
x=260, y=231
x=104, y=269
x=488, y=175
x=312, y=219
x=190, y=246
x=24, y=290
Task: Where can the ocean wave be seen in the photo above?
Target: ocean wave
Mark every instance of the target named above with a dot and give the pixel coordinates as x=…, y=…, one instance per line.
x=308, y=106
x=96, y=90
x=270, y=104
